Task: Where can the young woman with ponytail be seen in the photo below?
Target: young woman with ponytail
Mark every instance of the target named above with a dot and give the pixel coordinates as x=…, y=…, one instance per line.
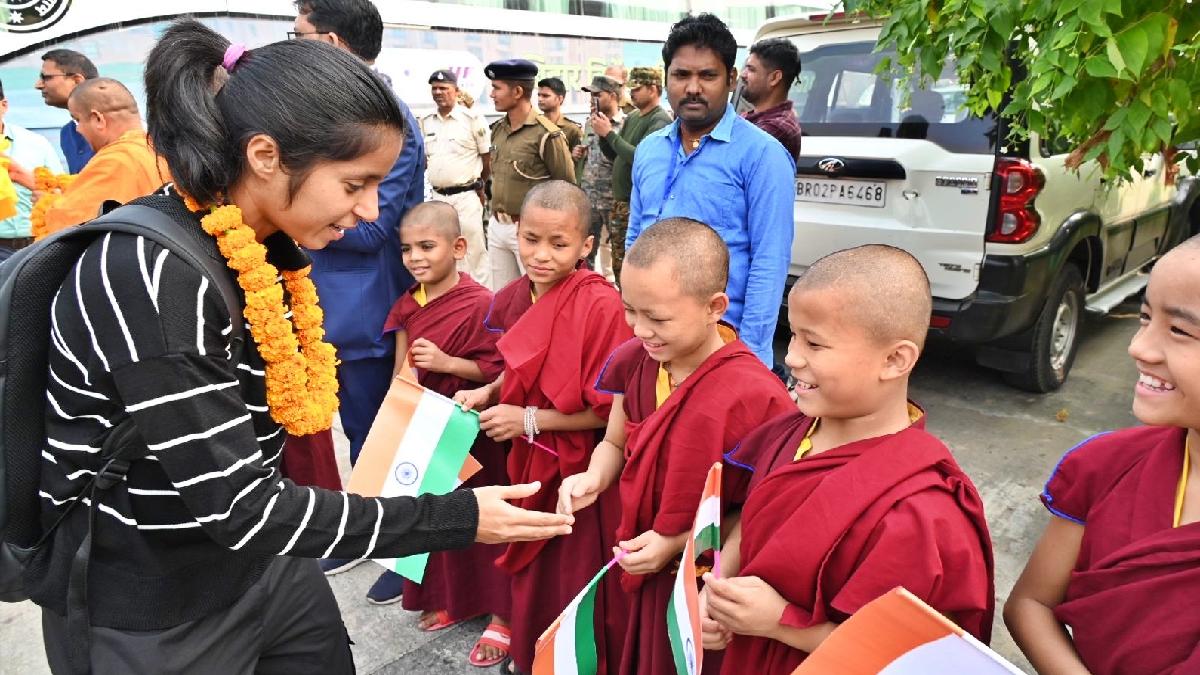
x=202, y=560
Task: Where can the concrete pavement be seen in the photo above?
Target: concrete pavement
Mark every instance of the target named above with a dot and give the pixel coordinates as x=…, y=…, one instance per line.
x=1008, y=441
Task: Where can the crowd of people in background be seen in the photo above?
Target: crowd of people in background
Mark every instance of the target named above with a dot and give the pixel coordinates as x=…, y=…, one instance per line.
x=605, y=295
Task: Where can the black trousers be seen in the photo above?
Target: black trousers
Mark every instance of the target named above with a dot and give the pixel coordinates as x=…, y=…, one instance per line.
x=286, y=624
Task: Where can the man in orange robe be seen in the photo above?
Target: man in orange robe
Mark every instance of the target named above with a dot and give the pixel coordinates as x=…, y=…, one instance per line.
x=124, y=167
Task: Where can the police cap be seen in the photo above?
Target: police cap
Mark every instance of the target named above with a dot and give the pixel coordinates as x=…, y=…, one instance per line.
x=511, y=69
x=446, y=76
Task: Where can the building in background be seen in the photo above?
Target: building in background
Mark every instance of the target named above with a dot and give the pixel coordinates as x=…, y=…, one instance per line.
x=571, y=39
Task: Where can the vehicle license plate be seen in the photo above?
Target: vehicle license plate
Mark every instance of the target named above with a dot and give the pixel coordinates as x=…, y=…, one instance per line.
x=852, y=192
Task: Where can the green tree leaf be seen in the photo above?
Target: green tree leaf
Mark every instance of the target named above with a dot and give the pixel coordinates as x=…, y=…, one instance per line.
x=1116, y=57
x=1181, y=94
x=1100, y=66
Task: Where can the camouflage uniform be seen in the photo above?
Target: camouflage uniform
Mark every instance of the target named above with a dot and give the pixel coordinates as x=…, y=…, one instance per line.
x=597, y=183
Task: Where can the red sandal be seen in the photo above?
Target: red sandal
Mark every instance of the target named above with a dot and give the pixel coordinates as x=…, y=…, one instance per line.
x=495, y=635
x=443, y=621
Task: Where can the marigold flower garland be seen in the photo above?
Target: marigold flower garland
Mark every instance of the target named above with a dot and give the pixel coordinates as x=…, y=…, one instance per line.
x=53, y=185
x=301, y=369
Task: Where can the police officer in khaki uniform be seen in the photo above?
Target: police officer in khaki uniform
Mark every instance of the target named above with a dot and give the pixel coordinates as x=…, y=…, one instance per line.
x=550, y=96
x=527, y=149
x=458, y=144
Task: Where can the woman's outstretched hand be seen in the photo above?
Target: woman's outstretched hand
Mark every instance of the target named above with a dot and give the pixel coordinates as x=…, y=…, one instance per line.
x=501, y=522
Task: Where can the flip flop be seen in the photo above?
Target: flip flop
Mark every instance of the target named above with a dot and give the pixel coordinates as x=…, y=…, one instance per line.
x=496, y=636
x=443, y=621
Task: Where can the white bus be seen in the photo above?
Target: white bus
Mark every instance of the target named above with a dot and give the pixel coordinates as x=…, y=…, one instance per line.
x=571, y=39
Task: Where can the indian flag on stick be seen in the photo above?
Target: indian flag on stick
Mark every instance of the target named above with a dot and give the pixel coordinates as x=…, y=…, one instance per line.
x=898, y=634
x=419, y=444
x=683, y=611
x=568, y=647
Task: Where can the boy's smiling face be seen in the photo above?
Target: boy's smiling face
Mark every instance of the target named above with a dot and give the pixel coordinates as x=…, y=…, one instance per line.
x=551, y=244
x=1167, y=346
x=838, y=365
x=671, y=323
x=429, y=256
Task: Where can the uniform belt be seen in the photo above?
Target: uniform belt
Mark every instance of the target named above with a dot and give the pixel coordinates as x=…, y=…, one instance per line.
x=18, y=243
x=503, y=217
x=458, y=189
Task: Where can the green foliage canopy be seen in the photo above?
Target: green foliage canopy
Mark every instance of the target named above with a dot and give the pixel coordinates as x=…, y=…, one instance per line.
x=1117, y=79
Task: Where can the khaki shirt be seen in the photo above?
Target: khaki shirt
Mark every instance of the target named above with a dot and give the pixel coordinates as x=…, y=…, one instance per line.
x=455, y=146
x=571, y=130
x=535, y=152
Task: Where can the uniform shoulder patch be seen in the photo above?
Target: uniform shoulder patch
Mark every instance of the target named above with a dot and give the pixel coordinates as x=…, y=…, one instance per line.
x=549, y=126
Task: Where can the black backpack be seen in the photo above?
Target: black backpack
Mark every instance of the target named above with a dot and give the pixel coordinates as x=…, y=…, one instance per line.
x=28, y=282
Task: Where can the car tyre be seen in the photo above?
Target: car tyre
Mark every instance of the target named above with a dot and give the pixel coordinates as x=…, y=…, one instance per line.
x=1055, y=336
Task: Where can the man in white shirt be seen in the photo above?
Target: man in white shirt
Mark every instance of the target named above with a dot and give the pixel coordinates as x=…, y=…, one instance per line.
x=457, y=143
x=27, y=150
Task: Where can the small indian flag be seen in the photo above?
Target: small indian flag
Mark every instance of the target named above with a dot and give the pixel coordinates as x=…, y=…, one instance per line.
x=568, y=646
x=683, y=610
x=419, y=444
x=898, y=634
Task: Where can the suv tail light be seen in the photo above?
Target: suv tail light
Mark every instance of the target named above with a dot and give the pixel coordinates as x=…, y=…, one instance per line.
x=1020, y=183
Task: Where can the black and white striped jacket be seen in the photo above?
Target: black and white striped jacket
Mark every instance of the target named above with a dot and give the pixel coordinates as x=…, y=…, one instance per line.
x=138, y=331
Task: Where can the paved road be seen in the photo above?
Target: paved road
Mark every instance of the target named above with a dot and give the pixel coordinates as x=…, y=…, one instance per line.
x=1006, y=440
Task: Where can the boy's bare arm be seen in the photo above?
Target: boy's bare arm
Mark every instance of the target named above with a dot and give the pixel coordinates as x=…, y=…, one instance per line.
x=1029, y=612
x=608, y=459
x=731, y=548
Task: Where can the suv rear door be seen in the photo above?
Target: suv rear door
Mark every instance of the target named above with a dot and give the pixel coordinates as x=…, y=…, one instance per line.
x=873, y=170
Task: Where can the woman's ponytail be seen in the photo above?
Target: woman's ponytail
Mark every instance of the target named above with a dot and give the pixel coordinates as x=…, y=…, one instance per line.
x=183, y=73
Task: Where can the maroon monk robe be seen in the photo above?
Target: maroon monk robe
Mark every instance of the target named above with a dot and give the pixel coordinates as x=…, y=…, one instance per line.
x=668, y=452
x=464, y=583
x=1131, y=603
x=553, y=352
x=311, y=460
x=836, y=530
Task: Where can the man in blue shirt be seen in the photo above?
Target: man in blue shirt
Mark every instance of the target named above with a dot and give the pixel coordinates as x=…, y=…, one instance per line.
x=62, y=71
x=715, y=167
x=27, y=151
x=360, y=276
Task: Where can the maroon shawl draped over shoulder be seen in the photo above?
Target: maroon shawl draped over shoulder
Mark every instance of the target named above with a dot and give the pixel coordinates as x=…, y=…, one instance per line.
x=669, y=450
x=553, y=351
x=553, y=354
x=464, y=583
x=1132, y=600
x=668, y=453
x=836, y=530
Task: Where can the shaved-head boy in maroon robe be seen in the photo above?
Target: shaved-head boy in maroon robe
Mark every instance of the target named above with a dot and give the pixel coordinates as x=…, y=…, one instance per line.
x=686, y=392
x=850, y=496
x=439, y=322
x=560, y=324
x=1119, y=563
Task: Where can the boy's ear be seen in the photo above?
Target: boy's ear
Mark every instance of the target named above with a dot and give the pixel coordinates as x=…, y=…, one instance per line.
x=460, y=248
x=586, y=250
x=717, y=305
x=901, y=359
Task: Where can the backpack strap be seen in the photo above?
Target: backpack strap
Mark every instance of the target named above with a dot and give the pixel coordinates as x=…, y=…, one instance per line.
x=122, y=446
x=162, y=229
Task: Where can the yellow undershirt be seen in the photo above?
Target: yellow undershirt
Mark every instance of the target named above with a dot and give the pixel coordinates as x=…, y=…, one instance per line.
x=914, y=414
x=1183, y=479
x=420, y=296
x=665, y=384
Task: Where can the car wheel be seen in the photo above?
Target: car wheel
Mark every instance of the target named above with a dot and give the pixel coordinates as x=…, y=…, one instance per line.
x=1055, y=336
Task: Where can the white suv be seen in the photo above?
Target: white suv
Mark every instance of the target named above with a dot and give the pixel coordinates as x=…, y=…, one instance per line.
x=1016, y=246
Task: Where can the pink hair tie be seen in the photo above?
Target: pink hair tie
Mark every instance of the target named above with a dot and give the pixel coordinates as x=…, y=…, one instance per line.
x=232, y=56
